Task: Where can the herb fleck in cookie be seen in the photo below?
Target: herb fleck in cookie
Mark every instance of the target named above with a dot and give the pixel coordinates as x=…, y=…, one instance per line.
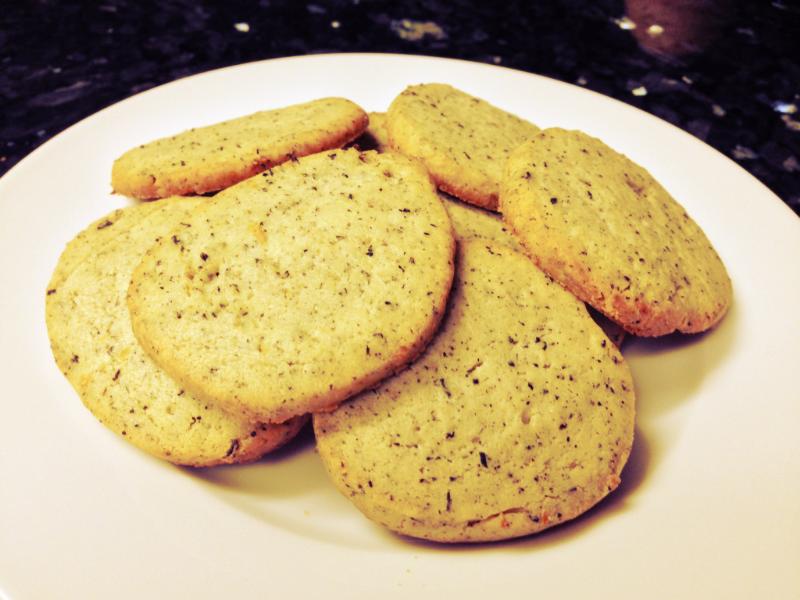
x=93, y=344
x=518, y=416
x=211, y=158
x=604, y=228
x=463, y=141
x=300, y=287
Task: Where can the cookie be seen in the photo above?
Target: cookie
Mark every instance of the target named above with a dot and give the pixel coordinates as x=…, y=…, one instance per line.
x=300, y=287
x=604, y=228
x=463, y=141
x=519, y=415
x=94, y=346
x=470, y=222
x=375, y=136
x=211, y=158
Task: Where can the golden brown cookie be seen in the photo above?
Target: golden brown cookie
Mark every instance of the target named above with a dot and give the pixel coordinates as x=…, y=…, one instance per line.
x=519, y=415
x=94, y=346
x=463, y=141
x=604, y=228
x=211, y=158
x=300, y=287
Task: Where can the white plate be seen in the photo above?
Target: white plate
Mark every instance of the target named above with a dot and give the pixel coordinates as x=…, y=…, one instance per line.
x=710, y=503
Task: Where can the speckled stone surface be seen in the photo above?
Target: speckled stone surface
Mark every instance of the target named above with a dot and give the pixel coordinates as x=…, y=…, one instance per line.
x=727, y=71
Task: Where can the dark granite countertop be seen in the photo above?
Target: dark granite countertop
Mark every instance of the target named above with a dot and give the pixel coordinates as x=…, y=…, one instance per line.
x=727, y=71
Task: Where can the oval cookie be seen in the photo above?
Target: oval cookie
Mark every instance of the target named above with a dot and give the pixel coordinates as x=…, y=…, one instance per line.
x=211, y=158
x=518, y=416
x=299, y=287
x=463, y=141
x=94, y=346
x=604, y=228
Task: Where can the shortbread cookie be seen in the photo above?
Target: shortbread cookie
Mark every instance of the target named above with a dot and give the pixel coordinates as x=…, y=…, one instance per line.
x=604, y=228
x=463, y=141
x=93, y=344
x=211, y=158
x=375, y=136
x=300, y=287
x=518, y=416
x=470, y=222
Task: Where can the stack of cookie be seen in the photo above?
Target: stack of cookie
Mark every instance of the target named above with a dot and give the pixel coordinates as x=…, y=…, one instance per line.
x=460, y=390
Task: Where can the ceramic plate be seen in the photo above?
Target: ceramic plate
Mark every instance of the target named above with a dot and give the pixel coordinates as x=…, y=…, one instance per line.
x=710, y=501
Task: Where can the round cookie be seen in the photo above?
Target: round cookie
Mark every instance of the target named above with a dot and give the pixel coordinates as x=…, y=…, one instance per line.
x=463, y=141
x=518, y=416
x=300, y=287
x=604, y=228
x=93, y=344
x=206, y=159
